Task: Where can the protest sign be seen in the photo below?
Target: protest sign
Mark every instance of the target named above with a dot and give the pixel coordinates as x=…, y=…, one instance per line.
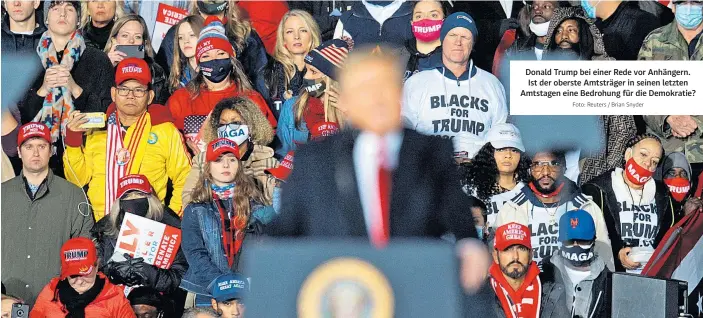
x=167, y=17
x=155, y=242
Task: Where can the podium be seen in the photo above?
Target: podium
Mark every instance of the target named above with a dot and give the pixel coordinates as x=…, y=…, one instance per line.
x=330, y=278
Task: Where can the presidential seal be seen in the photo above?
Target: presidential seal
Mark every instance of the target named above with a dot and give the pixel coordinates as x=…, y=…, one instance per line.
x=346, y=287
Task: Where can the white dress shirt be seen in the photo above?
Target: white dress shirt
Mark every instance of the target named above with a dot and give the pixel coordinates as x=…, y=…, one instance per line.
x=366, y=164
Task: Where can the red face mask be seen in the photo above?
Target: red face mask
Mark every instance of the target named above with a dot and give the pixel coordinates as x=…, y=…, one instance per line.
x=636, y=173
x=427, y=30
x=678, y=187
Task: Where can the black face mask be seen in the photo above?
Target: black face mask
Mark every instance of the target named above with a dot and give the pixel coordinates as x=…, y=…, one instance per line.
x=216, y=71
x=577, y=256
x=314, y=88
x=135, y=206
x=211, y=8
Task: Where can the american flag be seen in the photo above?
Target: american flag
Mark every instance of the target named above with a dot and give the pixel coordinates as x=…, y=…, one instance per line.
x=113, y=171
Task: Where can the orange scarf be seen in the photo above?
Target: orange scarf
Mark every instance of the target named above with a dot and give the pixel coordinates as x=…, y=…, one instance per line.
x=524, y=302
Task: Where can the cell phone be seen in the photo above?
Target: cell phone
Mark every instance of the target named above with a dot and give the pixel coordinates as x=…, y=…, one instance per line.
x=95, y=120
x=132, y=50
x=20, y=311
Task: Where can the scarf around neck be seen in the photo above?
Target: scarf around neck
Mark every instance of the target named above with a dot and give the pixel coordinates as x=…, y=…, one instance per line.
x=524, y=302
x=232, y=225
x=58, y=102
x=76, y=303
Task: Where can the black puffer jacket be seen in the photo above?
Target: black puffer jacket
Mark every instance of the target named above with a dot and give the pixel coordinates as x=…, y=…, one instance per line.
x=159, y=82
x=166, y=280
x=20, y=43
x=97, y=37
x=601, y=190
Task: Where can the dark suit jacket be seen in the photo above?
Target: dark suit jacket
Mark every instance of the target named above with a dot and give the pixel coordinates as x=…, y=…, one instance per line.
x=321, y=197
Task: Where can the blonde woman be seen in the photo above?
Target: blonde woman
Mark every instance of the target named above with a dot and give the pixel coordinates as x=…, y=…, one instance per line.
x=317, y=102
x=98, y=20
x=135, y=195
x=248, y=47
x=131, y=30
x=184, y=66
x=297, y=34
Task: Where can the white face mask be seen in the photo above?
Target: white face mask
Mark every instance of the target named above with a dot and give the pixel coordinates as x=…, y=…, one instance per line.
x=234, y=132
x=539, y=29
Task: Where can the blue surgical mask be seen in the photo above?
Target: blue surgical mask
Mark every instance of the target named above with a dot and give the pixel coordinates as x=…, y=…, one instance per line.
x=689, y=16
x=589, y=9
x=277, y=200
x=479, y=230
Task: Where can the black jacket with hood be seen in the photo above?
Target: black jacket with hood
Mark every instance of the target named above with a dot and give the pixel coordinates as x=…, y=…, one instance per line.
x=20, y=43
x=418, y=61
x=601, y=190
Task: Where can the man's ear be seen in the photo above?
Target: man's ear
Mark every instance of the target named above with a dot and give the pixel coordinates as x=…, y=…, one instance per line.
x=36, y=4
x=151, y=97
x=113, y=93
x=19, y=153
x=495, y=256
x=214, y=304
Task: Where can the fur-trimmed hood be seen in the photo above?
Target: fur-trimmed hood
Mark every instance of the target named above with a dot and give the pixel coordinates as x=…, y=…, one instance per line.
x=561, y=14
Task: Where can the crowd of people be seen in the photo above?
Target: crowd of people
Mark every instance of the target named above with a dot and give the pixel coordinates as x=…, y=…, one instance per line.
x=201, y=132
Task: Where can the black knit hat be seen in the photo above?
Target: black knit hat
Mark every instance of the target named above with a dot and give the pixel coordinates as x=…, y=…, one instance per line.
x=151, y=297
x=48, y=4
x=329, y=57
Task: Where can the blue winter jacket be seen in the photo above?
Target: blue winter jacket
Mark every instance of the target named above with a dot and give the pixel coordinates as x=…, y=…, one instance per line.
x=202, y=242
x=287, y=132
x=364, y=29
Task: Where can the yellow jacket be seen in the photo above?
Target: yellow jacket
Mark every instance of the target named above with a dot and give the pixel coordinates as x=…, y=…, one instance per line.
x=162, y=155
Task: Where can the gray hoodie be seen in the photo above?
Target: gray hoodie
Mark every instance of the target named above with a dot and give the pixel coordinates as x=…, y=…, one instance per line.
x=587, y=296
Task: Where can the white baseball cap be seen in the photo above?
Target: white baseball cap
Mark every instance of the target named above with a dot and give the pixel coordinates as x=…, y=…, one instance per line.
x=504, y=136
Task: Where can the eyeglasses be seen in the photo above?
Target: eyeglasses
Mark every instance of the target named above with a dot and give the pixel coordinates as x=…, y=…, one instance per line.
x=551, y=165
x=137, y=92
x=233, y=125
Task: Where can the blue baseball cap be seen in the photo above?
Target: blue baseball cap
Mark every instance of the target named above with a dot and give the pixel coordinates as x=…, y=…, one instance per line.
x=229, y=286
x=458, y=20
x=576, y=225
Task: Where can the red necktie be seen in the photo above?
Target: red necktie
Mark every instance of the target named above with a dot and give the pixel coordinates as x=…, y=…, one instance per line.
x=382, y=231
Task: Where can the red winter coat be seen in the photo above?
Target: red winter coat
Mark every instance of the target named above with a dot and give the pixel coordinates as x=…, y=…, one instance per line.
x=181, y=104
x=265, y=17
x=110, y=303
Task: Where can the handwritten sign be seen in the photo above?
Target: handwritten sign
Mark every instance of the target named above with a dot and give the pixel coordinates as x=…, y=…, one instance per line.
x=167, y=17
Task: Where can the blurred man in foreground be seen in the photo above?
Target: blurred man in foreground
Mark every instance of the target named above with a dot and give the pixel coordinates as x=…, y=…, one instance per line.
x=378, y=180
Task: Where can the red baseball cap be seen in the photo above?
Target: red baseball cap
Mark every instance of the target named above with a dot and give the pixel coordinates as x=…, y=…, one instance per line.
x=323, y=129
x=221, y=146
x=133, y=182
x=132, y=68
x=31, y=130
x=78, y=257
x=511, y=234
x=284, y=168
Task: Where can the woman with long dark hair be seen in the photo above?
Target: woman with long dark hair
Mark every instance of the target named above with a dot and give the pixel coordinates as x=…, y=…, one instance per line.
x=184, y=67
x=499, y=170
